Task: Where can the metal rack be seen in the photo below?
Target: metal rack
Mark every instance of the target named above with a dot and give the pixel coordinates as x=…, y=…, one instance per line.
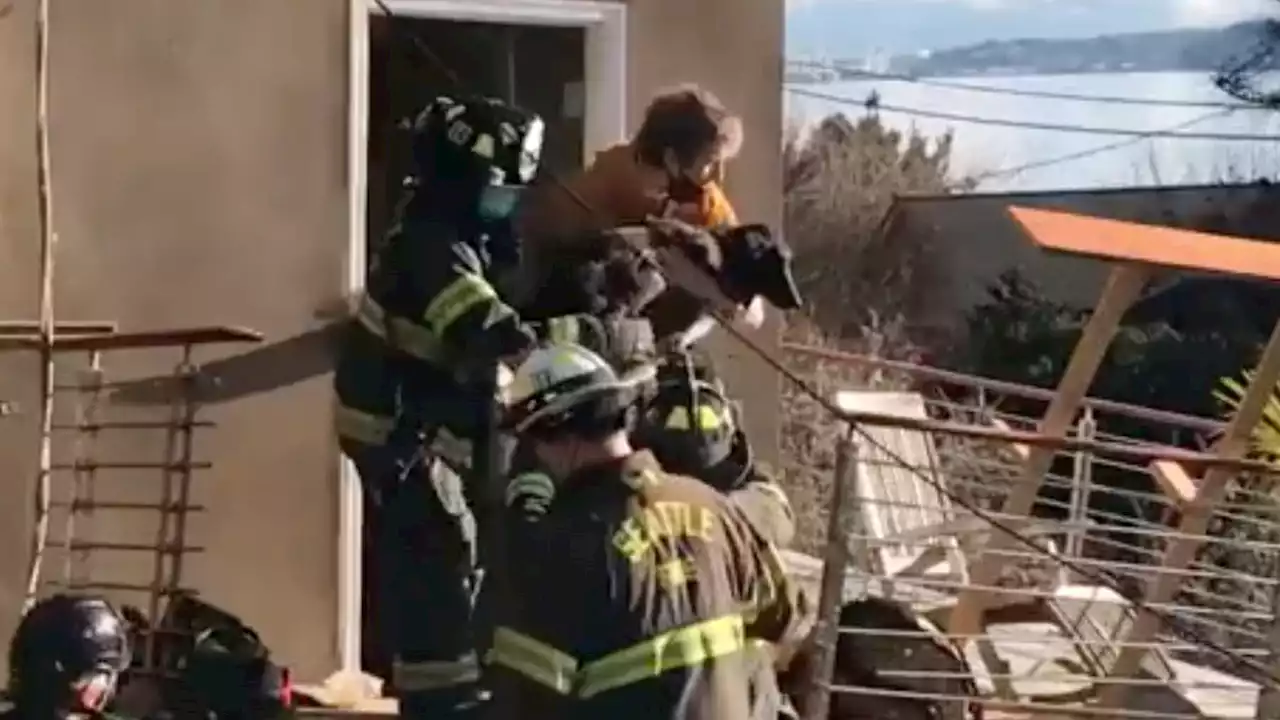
x=73, y=482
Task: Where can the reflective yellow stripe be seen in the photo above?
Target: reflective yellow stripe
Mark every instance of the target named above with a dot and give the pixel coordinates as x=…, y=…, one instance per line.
x=464, y=293
x=533, y=659
x=531, y=485
x=708, y=418
x=361, y=426
x=563, y=329
x=399, y=332
x=685, y=647
x=435, y=674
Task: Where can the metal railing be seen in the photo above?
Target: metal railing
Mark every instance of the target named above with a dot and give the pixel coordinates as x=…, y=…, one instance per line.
x=1102, y=524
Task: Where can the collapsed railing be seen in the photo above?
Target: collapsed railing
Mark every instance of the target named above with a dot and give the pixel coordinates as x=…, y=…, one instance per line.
x=100, y=506
x=1129, y=563
x=1112, y=530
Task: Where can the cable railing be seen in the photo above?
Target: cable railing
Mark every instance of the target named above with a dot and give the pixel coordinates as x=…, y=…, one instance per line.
x=1104, y=528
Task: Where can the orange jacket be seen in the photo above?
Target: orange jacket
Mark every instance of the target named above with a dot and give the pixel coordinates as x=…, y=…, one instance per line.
x=619, y=191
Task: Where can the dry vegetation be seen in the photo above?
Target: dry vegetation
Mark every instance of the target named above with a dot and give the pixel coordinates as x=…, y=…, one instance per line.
x=840, y=179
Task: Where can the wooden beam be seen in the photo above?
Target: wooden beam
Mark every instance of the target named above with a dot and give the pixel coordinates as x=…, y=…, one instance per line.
x=1123, y=286
x=1115, y=240
x=1181, y=548
x=138, y=340
x=31, y=328
x=1174, y=481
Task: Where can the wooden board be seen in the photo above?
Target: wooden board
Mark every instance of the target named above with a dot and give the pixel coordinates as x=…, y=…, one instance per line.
x=1115, y=240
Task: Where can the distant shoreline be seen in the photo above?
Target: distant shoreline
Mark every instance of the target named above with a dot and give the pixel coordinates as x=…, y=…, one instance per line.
x=986, y=75
x=1174, y=51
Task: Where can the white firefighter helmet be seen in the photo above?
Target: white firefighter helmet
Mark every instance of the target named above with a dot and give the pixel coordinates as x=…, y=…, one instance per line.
x=559, y=379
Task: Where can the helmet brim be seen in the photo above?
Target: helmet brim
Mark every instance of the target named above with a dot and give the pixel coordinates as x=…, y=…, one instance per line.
x=629, y=381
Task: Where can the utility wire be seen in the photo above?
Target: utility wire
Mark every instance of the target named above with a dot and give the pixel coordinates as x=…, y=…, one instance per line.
x=854, y=420
x=1097, y=150
x=854, y=75
x=873, y=103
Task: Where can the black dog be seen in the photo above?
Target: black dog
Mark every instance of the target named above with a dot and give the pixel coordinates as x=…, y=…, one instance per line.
x=745, y=262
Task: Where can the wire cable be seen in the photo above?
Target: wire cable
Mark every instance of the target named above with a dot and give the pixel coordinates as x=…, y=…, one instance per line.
x=1097, y=150
x=873, y=103
x=863, y=75
x=854, y=421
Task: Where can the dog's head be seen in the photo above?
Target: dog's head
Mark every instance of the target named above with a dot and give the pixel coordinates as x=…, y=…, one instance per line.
x=756, y=262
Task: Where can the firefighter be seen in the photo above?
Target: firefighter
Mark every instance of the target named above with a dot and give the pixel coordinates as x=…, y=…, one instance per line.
x=693, y=429
x=604, y=296
x=66, y=658
x=645, y=591
x=671, y=167
x=415, y=384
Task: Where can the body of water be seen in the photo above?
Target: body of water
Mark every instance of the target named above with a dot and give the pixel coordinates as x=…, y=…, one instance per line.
x=995, y=152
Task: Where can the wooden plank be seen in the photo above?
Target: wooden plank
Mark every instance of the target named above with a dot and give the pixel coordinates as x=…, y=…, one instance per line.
x=1174, y=480
x=31, y=328
x=1194, y=523
x=1122, y=289
x=211, y=335
x=1148, y=244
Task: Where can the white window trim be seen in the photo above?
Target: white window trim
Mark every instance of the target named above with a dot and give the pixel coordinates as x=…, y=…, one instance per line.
x=605, y=63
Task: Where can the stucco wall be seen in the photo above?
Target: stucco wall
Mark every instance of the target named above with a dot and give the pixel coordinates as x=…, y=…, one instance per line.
x=734, y=49
x=199, y=168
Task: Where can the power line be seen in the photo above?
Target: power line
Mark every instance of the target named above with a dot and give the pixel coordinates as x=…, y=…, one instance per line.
x=856, y=75
x=1173, y=622
x=873, y=103
x=1098, y=150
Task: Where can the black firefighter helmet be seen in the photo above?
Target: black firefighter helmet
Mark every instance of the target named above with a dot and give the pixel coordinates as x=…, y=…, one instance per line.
x=688, y=423
x=67, y=654
x=476, y=150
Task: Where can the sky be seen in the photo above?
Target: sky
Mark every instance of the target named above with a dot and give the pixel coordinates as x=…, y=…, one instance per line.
x=824, y=26
x=1183, y=13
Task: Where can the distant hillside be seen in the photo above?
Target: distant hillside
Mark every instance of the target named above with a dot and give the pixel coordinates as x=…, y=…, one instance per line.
x=1165, y=51
x=845, y=28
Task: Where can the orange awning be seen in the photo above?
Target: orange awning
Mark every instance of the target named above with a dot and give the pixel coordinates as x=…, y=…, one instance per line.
x=1120, y=241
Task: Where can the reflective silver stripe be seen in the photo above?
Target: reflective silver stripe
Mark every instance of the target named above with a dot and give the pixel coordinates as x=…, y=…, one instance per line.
x=435, y=674
x=546, y=665
x=776, y=491
x=361, y=426
x=454, y=450
x=399, y=332
x=563, y=329
x=531, y=486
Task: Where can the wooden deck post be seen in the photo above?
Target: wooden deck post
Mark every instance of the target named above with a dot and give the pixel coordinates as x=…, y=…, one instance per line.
x=1123, y=286
x=1196, y=515
x=816, y=701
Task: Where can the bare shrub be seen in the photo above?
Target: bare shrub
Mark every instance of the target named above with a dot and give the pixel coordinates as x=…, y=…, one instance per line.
x=840, y=178
x=810, y=434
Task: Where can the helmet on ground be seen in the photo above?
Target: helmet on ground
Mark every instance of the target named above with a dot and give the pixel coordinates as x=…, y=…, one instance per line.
x=477, y=146
x=68, y=652
x=567, y=388
x=689, y=424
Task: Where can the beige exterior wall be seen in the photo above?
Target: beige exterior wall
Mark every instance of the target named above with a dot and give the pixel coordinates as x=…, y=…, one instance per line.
x=734, y=49
x=199, y=160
